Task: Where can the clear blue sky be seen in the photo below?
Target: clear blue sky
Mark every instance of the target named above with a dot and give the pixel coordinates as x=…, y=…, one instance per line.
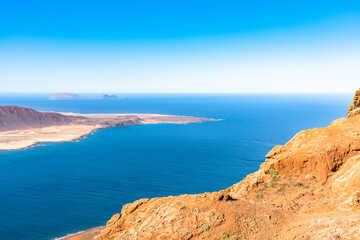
x=179, y=46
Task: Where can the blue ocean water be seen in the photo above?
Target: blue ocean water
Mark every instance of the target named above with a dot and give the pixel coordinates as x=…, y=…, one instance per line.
x=54, y=189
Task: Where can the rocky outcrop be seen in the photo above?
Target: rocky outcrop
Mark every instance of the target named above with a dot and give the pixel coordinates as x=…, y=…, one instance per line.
x=354, y=109
x=346, y=181
x=319, y=151
x=307, y=189
x=108, y=97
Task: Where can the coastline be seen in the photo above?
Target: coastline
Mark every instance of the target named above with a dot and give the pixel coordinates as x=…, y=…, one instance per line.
x=22, y=139
x=88, y=234
x=86, y=125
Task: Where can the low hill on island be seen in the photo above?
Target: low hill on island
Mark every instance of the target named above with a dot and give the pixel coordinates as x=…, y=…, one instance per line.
x=15, y=117
x=307, y=189
x=64, y=96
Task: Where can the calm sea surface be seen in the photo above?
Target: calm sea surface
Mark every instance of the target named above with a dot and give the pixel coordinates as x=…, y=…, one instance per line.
x=54, y=189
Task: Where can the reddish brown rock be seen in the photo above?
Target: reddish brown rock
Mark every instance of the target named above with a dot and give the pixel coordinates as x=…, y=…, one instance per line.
x=318, y=151
x=309, y=177
x=346, y=181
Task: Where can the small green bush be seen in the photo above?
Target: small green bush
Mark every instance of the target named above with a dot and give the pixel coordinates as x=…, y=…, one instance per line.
x=224, y=235
x=270, y=185
x=273, y=172
x=206, y=228
x=182, y=208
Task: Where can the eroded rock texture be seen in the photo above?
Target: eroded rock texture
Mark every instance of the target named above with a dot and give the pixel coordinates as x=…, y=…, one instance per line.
x=354, y=109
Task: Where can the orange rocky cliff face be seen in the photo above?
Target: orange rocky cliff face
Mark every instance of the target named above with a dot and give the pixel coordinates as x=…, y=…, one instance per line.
x=354, y=109
x=307, y=189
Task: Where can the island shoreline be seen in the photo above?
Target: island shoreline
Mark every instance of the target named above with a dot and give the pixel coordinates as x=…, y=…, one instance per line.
x=83, y=125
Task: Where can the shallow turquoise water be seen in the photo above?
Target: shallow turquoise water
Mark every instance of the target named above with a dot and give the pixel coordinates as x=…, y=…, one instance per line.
x=57, y=188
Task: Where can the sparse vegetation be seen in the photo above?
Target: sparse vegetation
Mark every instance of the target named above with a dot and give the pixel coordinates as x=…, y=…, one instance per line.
x=182, y=208
x=301, y=194
x=270, y=185
x=206, y=228
x=224, y=235
x=320, y=190
x=273, y=172
x=262, y=194
x=298, y=184
x=259, y=196
x=281, y=190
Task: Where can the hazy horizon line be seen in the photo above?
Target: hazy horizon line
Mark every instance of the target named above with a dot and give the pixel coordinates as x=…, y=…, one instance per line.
x=104, y=92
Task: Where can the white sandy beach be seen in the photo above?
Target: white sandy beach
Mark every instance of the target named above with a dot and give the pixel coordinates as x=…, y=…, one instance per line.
x=18, y=139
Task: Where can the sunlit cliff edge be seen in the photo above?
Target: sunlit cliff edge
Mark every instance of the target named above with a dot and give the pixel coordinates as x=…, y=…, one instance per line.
x=307, y=189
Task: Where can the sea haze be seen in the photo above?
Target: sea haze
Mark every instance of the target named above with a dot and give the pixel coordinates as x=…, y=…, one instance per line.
x=54, y=189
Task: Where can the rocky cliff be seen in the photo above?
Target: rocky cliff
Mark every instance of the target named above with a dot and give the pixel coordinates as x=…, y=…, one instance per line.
x=354, y=109
x=307, y=189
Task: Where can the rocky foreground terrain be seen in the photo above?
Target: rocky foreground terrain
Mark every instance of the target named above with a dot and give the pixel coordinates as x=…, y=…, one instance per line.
x=307, y=189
